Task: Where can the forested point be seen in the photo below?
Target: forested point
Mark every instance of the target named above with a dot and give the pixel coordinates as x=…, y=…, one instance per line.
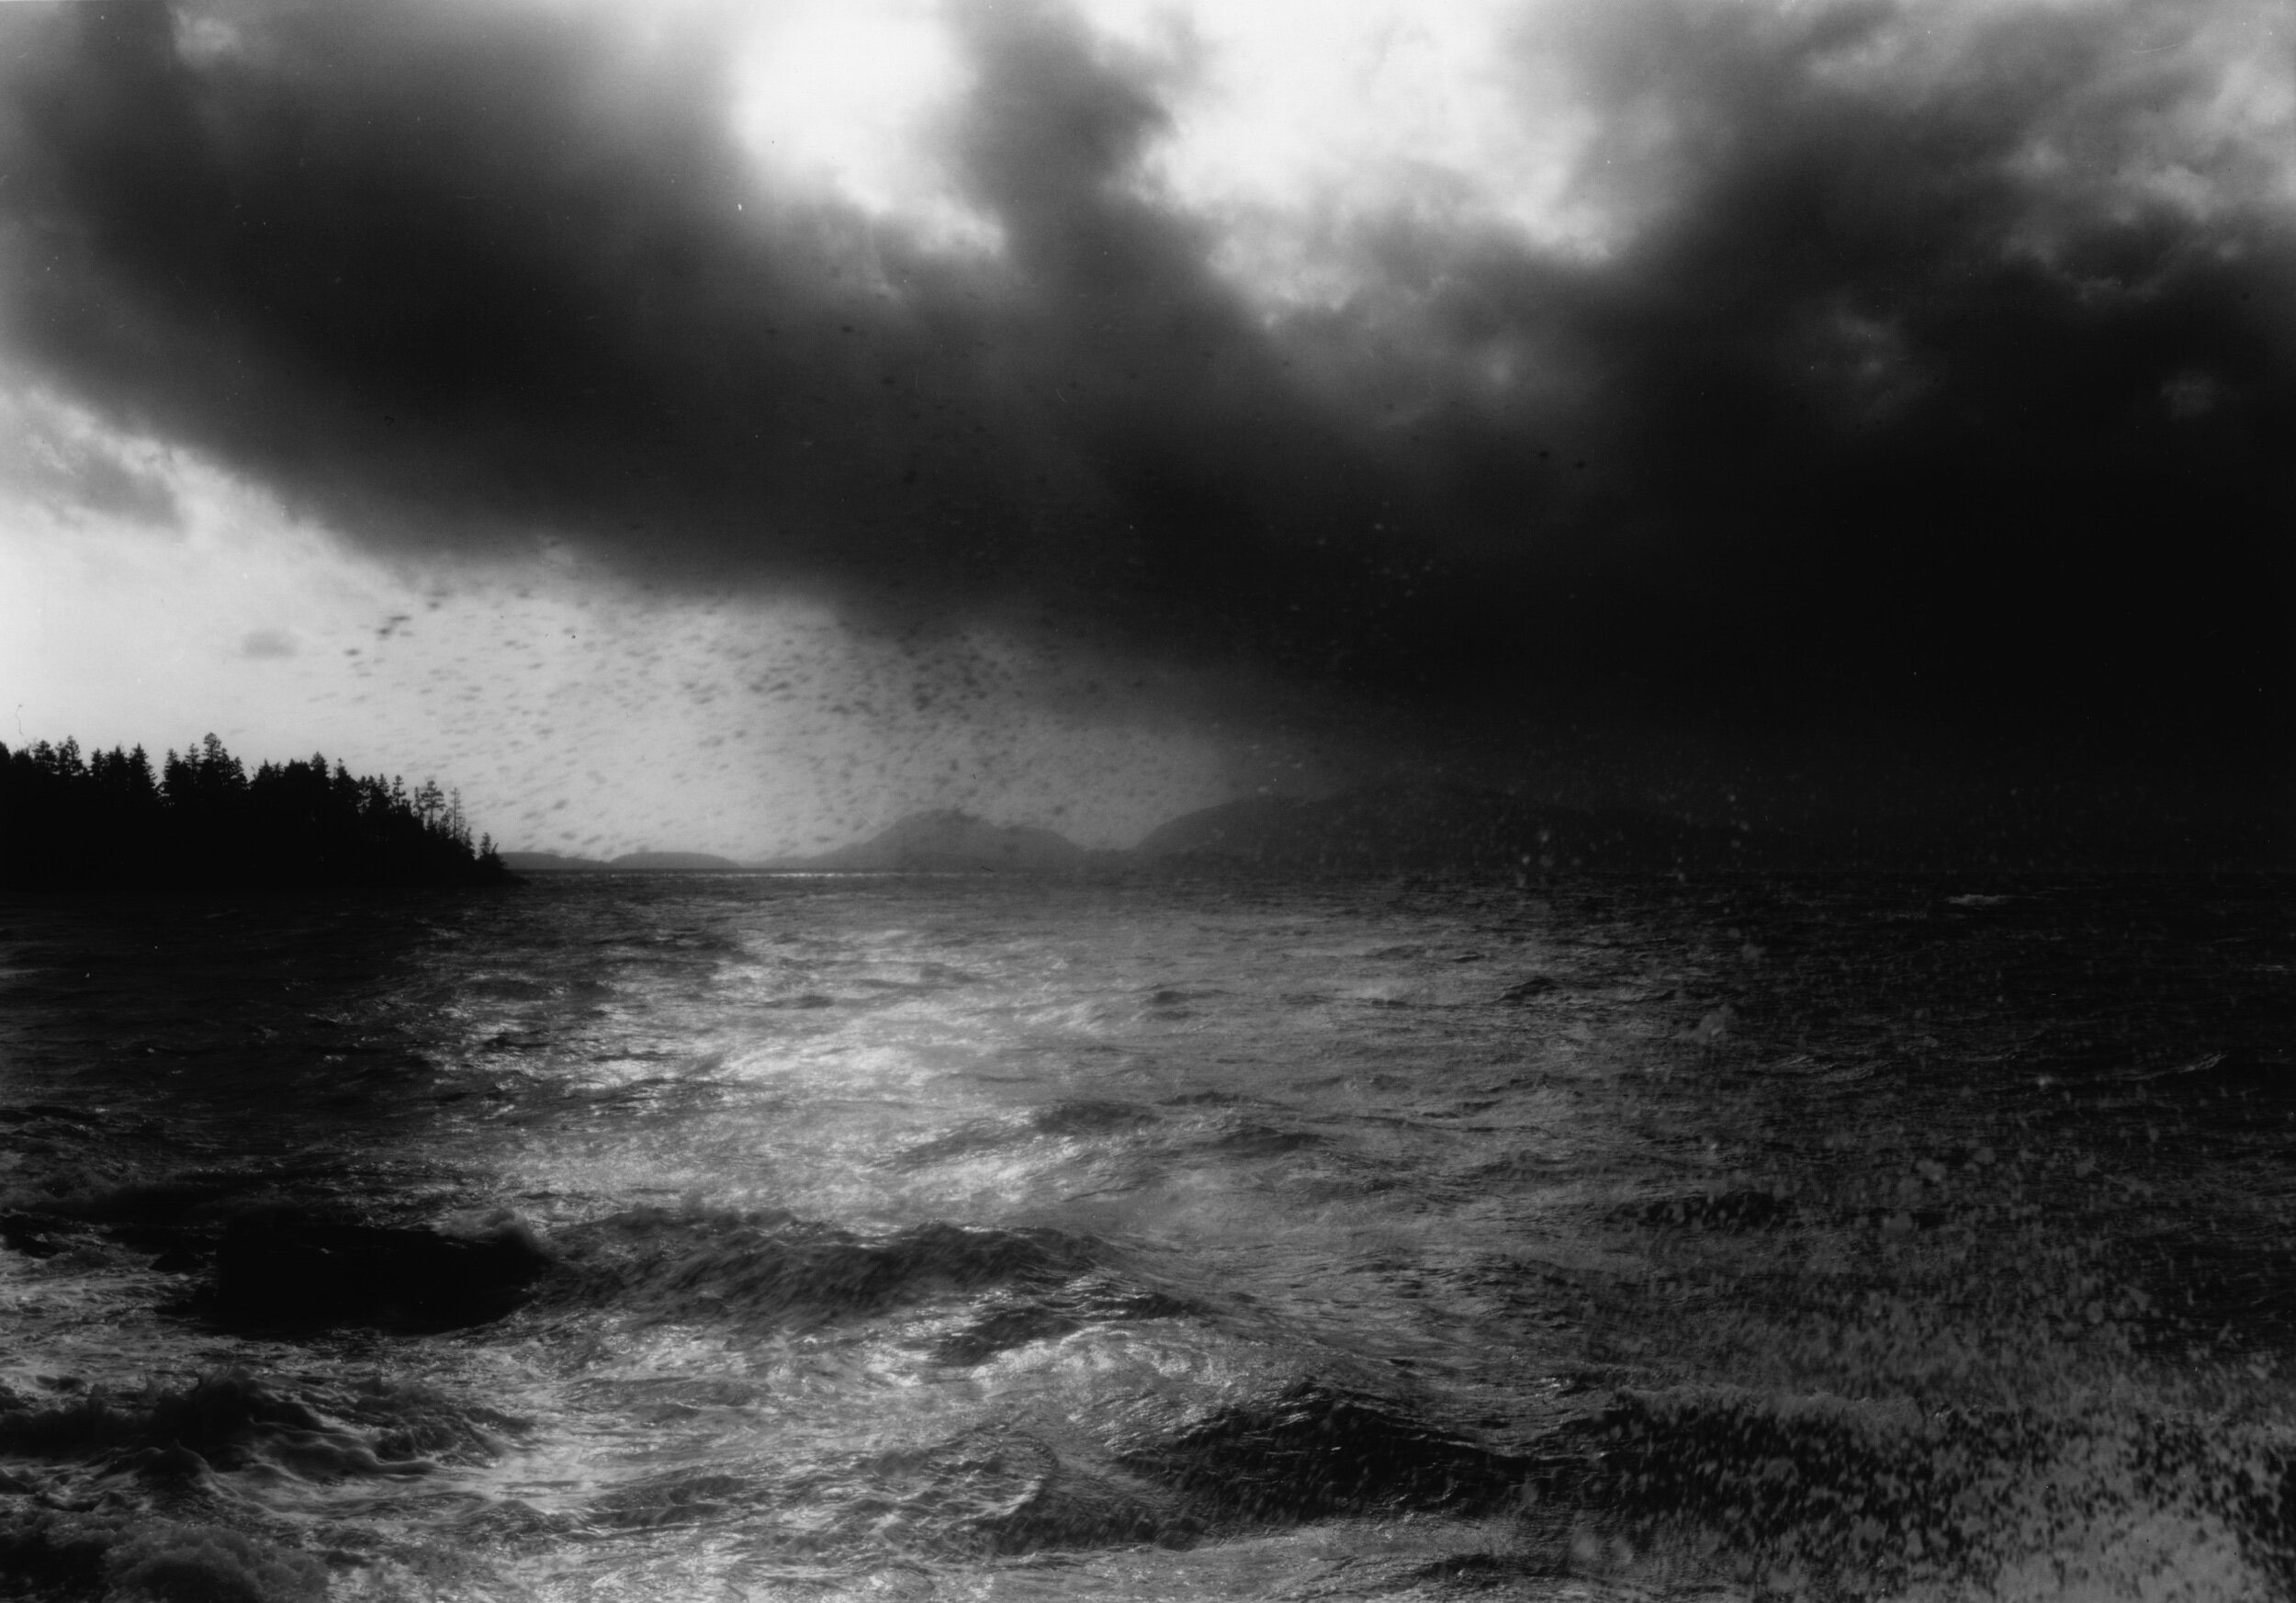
x=108, y=819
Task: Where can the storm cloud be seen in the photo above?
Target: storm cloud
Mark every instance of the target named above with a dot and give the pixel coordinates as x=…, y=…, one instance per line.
x=1928, y=366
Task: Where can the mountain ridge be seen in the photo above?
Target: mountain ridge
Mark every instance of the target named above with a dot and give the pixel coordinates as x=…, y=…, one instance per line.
x=1391, y=829
x=1437, y=828
x=1448, y=829
x=948, y=840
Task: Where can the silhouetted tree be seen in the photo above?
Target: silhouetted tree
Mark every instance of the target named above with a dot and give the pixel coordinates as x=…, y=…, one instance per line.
x=66, y=819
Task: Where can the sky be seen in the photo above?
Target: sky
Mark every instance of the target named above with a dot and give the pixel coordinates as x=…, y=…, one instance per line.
x=729, y=428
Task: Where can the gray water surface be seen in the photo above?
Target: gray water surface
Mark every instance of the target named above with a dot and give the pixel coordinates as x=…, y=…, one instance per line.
x=963, y=1237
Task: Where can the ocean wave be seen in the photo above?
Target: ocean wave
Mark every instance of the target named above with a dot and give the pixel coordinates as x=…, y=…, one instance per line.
x=284, y=1270
x=164, y=1561
x=771, y=1269
x=234, y=1421
x=1315, y=1450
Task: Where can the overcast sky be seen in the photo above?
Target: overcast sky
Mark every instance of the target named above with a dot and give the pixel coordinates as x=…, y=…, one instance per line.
x=730, y=426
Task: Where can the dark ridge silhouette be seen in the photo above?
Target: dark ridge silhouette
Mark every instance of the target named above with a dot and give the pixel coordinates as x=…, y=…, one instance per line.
x=628, y=862
x=945, y=841
x=686, y=861
x=1461, y=829
x=1396, y=829
x=552, y=863
x=1466, y=832
x=107, y=819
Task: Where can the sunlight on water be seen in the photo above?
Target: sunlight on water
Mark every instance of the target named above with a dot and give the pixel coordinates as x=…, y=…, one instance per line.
x=673, y=1237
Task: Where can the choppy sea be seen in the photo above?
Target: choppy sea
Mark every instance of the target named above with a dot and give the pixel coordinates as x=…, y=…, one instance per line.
x=690, y=1237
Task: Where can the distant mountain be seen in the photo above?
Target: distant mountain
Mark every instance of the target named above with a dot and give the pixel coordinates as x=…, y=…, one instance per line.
x=948, y=841
x=1426, y=828
x=1388, y=829
x=638, y=862
x=551, y=862
x=1421, y=829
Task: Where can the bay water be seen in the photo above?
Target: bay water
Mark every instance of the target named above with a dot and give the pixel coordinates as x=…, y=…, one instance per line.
x=978, y=1237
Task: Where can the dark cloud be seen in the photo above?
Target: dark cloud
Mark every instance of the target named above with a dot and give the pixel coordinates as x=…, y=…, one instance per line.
x=1937, y=387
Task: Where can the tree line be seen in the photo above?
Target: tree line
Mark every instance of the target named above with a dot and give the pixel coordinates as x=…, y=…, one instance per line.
x=108, y=819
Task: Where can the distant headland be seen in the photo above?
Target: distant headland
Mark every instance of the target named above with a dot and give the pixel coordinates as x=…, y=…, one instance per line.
x=1447, y=831
x=108, y=819
x=1400, y=828
x=945, y=841
x=942, y=841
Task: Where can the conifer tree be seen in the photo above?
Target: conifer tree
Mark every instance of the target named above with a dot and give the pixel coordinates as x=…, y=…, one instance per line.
x=105, y=818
